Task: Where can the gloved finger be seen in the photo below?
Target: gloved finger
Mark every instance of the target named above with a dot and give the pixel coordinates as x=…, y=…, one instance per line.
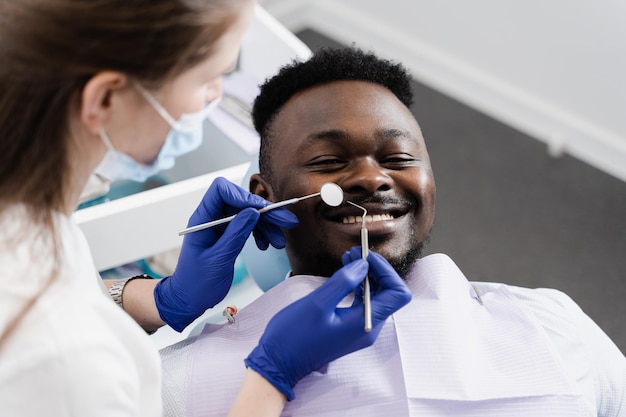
x=266, y=234
x=341, y=283
x=269, y=229
x=345, y=258
x=260, y=240
x=358, y=296
x=224, y=198
x=230, y=244
x=235, y=196
x=351, y=255
x=280, y=217
x=355, y=253
x=392, y=293
x=208, y=237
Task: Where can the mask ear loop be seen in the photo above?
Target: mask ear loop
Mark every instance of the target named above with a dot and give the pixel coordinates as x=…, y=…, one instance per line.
x=199, y=117
x=106, y=140
x=157, y=106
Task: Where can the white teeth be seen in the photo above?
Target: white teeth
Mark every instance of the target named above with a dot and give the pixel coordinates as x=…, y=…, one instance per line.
x=368, y=218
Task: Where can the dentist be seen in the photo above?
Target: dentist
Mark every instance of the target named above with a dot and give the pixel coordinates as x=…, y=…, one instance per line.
x=121, y=87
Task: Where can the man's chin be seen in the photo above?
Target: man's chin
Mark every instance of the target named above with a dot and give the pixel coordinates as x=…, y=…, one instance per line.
x=325, y=261
x=403, y=262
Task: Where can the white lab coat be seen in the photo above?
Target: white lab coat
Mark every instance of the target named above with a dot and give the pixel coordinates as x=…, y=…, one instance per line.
x=75, y=352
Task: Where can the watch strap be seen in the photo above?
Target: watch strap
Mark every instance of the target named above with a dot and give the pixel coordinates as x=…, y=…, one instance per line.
x=117, y=289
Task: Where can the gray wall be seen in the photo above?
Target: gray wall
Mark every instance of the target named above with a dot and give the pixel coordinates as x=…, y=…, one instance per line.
x=554, y=70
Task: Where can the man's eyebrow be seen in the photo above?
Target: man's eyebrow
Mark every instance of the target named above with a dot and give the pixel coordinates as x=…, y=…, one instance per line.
x=337, y=134
x=391, y=133
x=331, y=135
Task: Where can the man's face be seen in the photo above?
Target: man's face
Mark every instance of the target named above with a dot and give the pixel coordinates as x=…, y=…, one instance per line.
x=359, y=136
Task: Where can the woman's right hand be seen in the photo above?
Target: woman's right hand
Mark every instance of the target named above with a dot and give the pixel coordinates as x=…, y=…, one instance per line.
x=313, y=331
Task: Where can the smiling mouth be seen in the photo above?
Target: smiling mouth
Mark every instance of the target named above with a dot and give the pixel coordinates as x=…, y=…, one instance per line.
x=368, y=219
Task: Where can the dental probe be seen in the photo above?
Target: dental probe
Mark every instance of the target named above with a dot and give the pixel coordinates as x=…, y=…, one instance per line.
x=367, y=306
x=331, y=194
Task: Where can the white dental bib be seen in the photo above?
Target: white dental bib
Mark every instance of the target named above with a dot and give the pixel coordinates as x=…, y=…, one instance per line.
x=447, y=353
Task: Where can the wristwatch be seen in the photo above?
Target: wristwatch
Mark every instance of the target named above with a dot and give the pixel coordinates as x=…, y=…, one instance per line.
x=116, y=290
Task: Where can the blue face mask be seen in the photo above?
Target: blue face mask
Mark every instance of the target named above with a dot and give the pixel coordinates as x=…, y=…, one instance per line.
x=184, y=137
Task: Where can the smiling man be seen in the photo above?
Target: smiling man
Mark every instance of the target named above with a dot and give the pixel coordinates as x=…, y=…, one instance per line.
x=458, y=348
x=363, y=137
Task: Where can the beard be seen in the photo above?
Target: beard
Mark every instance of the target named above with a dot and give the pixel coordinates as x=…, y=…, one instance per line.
x=404, y=263
x=327, y=262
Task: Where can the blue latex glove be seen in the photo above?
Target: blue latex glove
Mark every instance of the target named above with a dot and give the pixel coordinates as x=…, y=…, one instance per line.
x=205, y=268
x=313, y=331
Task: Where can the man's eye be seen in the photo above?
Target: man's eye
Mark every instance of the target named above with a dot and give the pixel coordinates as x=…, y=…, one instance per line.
x=398, y=162
x=327, y=162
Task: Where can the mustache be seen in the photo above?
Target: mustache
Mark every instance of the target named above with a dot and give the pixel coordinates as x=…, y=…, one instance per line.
x=372, y=199
x=383, y=200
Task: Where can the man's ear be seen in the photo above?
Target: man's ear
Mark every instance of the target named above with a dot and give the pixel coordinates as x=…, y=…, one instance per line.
x=260, y=187
x=96, y=99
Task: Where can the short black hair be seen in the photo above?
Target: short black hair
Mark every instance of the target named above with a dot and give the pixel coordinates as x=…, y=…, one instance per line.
x=325, y=66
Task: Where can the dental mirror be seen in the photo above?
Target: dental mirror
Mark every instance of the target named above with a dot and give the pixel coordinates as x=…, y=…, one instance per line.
x=331, y=194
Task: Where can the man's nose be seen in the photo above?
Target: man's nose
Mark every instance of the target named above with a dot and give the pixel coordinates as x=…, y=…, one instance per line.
x=366, y=176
